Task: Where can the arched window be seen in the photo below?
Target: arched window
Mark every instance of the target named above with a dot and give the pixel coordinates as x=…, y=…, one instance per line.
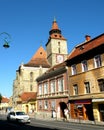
x=31, y=76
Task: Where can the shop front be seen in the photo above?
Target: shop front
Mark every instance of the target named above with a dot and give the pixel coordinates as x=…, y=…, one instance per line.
x=98, y=109
x=81, y=109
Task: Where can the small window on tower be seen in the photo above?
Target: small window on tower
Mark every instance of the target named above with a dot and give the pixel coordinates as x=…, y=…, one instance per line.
x=58, y=43
x=58, y=47
x=41, y=53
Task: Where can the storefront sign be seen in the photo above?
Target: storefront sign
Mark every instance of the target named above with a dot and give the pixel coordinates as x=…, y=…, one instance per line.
x=98, y=100
x=86, y=101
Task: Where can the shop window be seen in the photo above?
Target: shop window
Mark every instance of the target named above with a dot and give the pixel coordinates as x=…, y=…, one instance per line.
x=101, y=110
x=80, y=110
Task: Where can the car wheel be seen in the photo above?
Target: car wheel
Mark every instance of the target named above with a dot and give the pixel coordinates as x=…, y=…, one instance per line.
x=8, y=119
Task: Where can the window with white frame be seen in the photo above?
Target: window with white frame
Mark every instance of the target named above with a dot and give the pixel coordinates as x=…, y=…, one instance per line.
x=74, y=70
x=84, y=66
x=53, y=105
x=45, y=88
x=87, y=87
x=40, y=89
x=52, y=84
x=75, y=87
x=40, y=104
x=45, y=104
x=101, y=84
x=97, y=61
x=60, y=85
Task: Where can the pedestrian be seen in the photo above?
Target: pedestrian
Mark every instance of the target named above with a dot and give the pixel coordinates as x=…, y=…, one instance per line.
x=54, y=114
x=66, y=113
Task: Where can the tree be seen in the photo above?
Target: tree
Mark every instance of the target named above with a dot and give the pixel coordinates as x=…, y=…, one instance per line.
x=0, y=97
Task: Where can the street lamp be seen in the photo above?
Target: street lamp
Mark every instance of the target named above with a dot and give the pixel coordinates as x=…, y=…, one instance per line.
x=6, y=38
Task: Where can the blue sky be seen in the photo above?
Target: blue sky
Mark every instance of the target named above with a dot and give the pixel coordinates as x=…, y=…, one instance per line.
x=28, y=22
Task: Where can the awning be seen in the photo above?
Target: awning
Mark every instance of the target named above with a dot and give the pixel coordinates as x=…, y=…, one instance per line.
x=98, y=100
x=86, y=101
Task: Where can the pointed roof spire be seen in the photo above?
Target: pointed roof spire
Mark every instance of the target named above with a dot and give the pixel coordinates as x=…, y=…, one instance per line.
x=54, y=19
x=54, y=25
x=55, y=32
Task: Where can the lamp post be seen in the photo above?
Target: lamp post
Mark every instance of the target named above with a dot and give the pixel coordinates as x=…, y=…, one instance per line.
x=6, y=38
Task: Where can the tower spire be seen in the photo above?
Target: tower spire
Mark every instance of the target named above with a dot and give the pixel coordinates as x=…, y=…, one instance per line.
x=54, y=25
x=55, y=32
x=54, y=18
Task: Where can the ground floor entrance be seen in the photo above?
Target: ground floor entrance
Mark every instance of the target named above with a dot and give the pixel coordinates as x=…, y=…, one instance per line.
x=98, y=109
x=81, y=109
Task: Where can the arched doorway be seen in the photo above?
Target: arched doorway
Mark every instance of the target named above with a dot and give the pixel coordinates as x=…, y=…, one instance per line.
x=63, y=106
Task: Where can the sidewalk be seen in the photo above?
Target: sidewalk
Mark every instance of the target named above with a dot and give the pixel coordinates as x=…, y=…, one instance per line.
x=69, y=120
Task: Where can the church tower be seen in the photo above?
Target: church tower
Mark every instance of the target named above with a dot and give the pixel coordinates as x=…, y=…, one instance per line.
x=56, y=46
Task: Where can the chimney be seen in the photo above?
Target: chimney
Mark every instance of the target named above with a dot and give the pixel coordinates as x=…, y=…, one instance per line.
x=88, y=38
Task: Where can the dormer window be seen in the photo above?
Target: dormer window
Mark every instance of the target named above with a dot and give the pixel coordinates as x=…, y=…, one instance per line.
x=81, y=47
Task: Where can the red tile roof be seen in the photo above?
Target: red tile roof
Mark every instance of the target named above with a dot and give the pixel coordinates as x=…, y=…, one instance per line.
x=26, y=96
x=55, y=32
x=4, y=100
x=39, y=59
x=53, y=71
x=55, y=25
x=53, y=68
x=86, y=46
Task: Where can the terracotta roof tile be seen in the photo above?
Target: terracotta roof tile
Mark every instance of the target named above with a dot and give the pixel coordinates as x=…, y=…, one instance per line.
x=54, y=25
x=53, y=71
x=4, y=100
x=56, y=67
x=26, y=96
x=39, y=59
x=86, y=46
x=55, y=32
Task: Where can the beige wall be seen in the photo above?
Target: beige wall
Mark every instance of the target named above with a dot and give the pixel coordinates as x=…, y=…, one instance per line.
x=52, y=50
x=91, y=76
x=22, y=82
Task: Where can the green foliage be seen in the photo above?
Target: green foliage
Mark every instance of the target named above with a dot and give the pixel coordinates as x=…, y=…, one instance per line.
x=0, y=98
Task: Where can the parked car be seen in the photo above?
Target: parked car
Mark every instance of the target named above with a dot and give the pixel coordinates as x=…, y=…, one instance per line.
x=18, y=116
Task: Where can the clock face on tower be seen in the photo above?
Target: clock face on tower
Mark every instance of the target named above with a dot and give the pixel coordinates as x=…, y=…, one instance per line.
x=60, y=58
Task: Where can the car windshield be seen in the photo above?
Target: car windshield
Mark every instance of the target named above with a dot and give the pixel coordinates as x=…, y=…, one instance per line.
x=20, y=113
